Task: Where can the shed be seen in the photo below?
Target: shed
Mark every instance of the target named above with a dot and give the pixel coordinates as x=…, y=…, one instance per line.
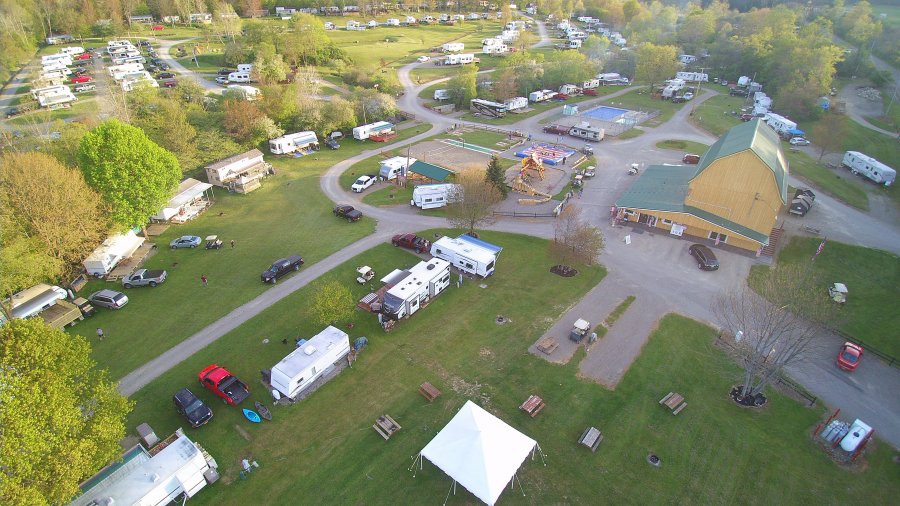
x=113, y=250
x=303, y=366
x=190, y=200
x=430, y=171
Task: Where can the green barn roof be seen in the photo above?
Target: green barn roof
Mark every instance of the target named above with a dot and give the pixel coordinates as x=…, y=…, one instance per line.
x=430, y=171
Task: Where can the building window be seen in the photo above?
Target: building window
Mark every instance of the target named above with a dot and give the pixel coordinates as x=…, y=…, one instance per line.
x=715, y=236
x=629, y=212
x=667, y=222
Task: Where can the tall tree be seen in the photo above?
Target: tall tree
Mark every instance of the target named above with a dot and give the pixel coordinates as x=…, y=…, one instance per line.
x=333, y=303
x=496, y=176
x=463, y=86
x=829, y=134
x=575, y=240
x=53, y=203
x=75, y=417
x=655, y=63
x=133, y=174
x=473, y=201
x=24, y=260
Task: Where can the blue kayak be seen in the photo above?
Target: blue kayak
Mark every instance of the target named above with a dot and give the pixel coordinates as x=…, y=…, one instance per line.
x=251, y=415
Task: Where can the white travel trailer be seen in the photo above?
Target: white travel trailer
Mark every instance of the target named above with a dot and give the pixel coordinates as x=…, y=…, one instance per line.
x=568, y=89
x=779, y=123
x=415, y=287
x=586, y=131
x=495, y=48
x=687, y=58
x=248, y=93
x=516, y=103
x=467, y=254
x=56, y=66
x=372, y=24
x=239, y=77
x=328, y=25
x=692, y=76
x=47, y=59
x=118, y=43
x=354, y=25
x=245, y=67
x=125, y=68
x=453, y=47
x=410, y=20
x=54, y=74
x=113, y=250
x=72, y=50
x=574, y=44
x=56, y=88
x=591, y=84
x=537, y=96
x=392, y=22
x=58, y=97
x=303, y=366
x=432, y=196
x=394, y=167
x=290, y=143
x=878, y=172
x=363, y=132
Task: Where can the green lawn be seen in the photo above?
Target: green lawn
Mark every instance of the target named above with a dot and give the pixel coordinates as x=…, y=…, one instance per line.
x=640, y=100
x=684, y=146
x=289, y=215
x=80, y=109
x=706, y=450
x=481, y=138
x=631, y=133
x=427, y=74
x=715, y=114
x=836, y=185
x=208, y=63
x=873, y=283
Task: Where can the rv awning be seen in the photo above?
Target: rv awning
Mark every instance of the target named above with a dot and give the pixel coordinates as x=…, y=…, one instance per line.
x=795, y=131
x=493, y=248
x=430, y=171
x=188, y=190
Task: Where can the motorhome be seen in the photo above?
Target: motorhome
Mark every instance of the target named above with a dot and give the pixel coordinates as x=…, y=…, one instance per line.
x=394, y=167
x=290, y=143
x=487, y=108
x=452, y=47
x=432, y=196
x=467, y=254
x=859, y=163
x=309, y=361
x=414, y=288
x=363, y=132
x=587, y=131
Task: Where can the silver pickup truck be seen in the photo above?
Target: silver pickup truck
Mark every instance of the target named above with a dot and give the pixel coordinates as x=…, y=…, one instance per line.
x=143, y=277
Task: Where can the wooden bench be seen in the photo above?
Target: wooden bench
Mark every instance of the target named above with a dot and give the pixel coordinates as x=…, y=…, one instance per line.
x=591, y=438
x=429, y=392
x=386, y=426
x=533, y=405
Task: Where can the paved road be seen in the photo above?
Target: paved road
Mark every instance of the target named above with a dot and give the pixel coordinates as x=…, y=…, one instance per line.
x=653, y=267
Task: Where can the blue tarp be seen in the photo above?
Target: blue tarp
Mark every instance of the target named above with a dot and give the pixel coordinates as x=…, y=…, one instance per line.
x=483, y=244
x=796, y=132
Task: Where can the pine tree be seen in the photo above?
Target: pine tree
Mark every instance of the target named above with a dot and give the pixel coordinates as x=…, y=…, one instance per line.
x=495, y=176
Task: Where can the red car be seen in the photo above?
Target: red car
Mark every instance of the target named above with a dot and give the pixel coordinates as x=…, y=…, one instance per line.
x=224, y=384
x=170, y=83
x=590, y=91
x=848, y=357
x=157, y=28
x=691, y=159
x=411, y=241
x=83, y=56
x=82, y=79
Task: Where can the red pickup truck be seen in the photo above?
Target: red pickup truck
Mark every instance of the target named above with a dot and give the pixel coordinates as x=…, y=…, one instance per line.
x=411, y=241
x=224, y=384
x=556, y=129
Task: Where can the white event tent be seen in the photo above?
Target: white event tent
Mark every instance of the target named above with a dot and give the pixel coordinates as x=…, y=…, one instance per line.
x=479, y=451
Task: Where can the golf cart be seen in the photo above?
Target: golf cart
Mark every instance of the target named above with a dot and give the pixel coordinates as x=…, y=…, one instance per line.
x=365, y=274
x=838, y=293
x=578, y=181
x=579, y=330
x=213, y=242
x=633, y=169
x=588, y=150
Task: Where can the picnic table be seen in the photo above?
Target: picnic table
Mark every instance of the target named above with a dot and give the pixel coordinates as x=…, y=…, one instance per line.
x=533, y=405
x=674, y=401
x=428, y=391
x=591, y=438
x=386, y=426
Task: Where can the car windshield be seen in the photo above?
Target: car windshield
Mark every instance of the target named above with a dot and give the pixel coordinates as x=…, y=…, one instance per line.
x=848, y=356
x=194, y=406
x=118, y=296
x=361, y=180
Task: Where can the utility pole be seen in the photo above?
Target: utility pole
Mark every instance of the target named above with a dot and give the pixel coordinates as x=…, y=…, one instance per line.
x=697, y=94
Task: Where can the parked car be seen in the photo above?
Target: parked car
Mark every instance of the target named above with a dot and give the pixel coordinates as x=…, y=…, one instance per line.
x=363, y=182
x=82, y=79
x=222, y=79
x=109, y=299
x=331, y=143
x=849, y=355
x=170, y=83
x=144, y=277
x=154, y=54
x=12, y=111
x=192, y=408
x=145, y=43
x=556, y=129
x=422, y=59
x=281, y=267
x=412, y=241
x=706, y=259
x=152, y=68
x=224, y=72
x=348, y=212
x=164, y=75
x=689, y=95
x=224, y=384
x=156, y=61
x=590, y=171
x=799, y=141
x=83, y=56
x=746, y=117
x=185, y=241
x=84, y=87
x=690, y=159
x=80, y=71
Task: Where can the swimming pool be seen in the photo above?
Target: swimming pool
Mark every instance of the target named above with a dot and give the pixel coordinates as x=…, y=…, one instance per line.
x=605, y=113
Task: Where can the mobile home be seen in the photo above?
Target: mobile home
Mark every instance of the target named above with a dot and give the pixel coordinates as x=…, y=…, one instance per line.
x=467, y=254
x=394, y=167
x=363, y=132
x=113, y=250
x=299, y=141
x=303, y=366
x=415, y=287
x=453, y=47
x=431, y=196
x=586, y=131
x=878, y=172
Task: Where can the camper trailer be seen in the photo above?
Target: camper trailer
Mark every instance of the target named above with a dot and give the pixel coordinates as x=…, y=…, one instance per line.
x=591, y=84
x=394, y=167
x=410, y=20
x=113, y=250
x=123, y=69
x=453, y=47
x=72, y=50
x=431, y=196
x=63, y=58
x=239, y=77
x=467, y=254
x=363, y=132
x=612, y=78
x=692, y=76
x=315, y=357
x=392, y=22
x=459, y=59
x=245, y=67
x=569, y=89
x=56, y=66
x=878, y=172
x=138, y=79
x=49, y=90
x=687, y=58
x=537, y=96
x=32, y=301
x=413, y=288
x=516, y=103
x=58, y=97
x=248, y=93
x=495, y=48
x=290, y=143
x=779, y=123
x=586, y=131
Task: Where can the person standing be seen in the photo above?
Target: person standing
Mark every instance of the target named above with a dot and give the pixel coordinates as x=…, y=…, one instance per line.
x=203, y=279
x=232, y=244
x=99, y=333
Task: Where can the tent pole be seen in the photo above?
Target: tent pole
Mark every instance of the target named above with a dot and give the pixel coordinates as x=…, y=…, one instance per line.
x=452, y=489
x=520, y=485
x=542, y=454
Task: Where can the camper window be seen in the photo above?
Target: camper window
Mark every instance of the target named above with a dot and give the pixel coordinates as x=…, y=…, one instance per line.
x=490, y=266
x=438, y=251
x=470, y=266
x=667, y=222
x=445, y=279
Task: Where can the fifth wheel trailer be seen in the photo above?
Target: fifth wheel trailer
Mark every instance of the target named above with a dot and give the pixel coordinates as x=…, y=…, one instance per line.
x=467, y=254
x=303, y=366
x=298, y=141
x=363, y=132
x=415, y=287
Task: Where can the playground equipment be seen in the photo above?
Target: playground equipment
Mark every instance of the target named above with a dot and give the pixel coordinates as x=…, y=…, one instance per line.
x=534, y=163
x=520, y=183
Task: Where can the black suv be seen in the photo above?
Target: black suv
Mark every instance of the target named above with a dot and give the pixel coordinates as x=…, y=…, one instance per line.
x=192, y=408
x=224, y=72
x=706, y=260
x=281, y=267
x=345, y=211
x=165, y=75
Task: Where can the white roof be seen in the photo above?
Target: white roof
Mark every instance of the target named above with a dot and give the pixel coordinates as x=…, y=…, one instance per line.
x=418, y=276
x=311, y=351
x=466, y=248
x=397, y=162
x=116, y=245
x=479, y=451
x=188, y=190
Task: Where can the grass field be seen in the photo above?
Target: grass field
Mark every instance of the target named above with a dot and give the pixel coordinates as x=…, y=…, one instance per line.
x=873, y=283
x=838, y=186
x=319, y=446
x=288, y=216
x=631, y=133
x=683, y=146
x=428, y=74
x=714, y=114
